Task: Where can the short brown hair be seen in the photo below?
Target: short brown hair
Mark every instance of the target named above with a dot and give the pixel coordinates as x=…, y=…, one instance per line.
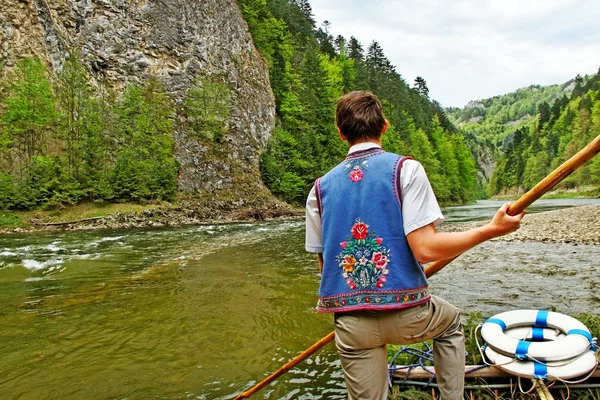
x=359, y=116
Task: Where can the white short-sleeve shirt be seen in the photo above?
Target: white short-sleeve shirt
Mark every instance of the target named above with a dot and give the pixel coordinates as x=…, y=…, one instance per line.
x=419, y=205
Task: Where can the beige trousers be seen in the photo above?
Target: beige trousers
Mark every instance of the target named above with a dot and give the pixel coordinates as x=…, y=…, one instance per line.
x=361, y=338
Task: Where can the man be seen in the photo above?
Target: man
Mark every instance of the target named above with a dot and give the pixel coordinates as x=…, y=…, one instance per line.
x=372, y=221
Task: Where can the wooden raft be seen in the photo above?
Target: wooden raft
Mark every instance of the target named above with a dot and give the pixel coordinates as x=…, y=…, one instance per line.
x=475, y=372
x=417, y=373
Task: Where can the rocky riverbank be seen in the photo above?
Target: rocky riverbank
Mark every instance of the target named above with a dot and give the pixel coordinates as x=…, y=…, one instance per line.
x=186, y=212
x=576, y=225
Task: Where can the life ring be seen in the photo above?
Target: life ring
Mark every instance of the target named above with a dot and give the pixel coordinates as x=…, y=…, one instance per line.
x=534, y=333
x=578, y=338
x=553, y=370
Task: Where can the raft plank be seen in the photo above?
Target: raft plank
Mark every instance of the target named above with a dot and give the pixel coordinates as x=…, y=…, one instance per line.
x=487, y=372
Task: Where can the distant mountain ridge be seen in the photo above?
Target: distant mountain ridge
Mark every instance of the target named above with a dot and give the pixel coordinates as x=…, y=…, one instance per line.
x=511, y=107
x=518, y=137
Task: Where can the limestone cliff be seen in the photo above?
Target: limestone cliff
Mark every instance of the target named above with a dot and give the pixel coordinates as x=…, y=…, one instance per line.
x=176, y=40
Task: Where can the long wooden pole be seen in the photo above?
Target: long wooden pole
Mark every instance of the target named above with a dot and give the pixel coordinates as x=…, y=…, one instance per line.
x=289, y=365
x=560, y=173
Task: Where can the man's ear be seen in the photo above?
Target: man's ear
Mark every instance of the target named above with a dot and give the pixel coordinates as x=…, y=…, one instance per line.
x=342, y=136
x=385, y=127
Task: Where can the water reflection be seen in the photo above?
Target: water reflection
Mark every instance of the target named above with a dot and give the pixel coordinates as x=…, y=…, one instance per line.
x=205, y=312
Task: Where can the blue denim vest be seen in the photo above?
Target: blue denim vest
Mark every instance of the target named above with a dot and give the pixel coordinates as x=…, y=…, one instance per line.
x=367, y=261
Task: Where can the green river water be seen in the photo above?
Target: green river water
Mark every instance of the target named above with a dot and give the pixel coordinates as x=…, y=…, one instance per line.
x=205, y=312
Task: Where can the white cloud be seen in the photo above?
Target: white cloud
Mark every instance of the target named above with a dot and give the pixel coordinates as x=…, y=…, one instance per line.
x=473, y=49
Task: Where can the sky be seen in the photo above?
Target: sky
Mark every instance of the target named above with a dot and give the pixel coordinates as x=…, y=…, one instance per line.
x=474, y=49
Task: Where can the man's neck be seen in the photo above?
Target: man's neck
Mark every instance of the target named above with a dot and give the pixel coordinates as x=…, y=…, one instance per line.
x=375, y=141
x=364, y=145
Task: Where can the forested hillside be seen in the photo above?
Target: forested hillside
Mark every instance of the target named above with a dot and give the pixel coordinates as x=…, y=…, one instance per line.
x=557, y=132
x=309, y=70
x=486, y=123
x=518, y=138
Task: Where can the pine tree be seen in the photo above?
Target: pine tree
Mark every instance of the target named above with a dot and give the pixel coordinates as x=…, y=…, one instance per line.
x=340, y=45
x=356, y=51
x=30, y=117
x=544, y=114
x=325, y=40
x=578, y=90
x=298, y=18
x=73, y=94
x=317, y=111
x=421, y=86
x=100, y=147
x=376, y=60
x=144, y=167
x=306, y=9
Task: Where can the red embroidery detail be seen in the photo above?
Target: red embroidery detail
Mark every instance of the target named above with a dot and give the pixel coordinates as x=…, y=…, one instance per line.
x=356, y=175
x=363, y=259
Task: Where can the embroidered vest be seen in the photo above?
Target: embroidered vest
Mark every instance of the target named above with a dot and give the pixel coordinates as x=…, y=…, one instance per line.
x=367, y=263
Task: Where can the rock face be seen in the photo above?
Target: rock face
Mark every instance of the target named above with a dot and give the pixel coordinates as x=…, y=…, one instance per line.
x=124, y=41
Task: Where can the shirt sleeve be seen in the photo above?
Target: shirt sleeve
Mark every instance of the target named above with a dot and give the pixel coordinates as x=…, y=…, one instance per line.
x=313, y=243
x=419, y=204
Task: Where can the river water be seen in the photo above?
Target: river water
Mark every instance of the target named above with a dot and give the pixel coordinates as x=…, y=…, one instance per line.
x=205, y=312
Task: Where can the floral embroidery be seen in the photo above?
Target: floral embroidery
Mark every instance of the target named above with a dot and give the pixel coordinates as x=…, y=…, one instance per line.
x=356, y=175
x=363, y=259
x=359, y=230
x=355, y=168
x=370, y=299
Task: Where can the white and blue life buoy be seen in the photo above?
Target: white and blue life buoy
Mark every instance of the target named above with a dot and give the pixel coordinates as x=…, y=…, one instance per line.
x=578, y=338
x=539, y=344
x=552, y=370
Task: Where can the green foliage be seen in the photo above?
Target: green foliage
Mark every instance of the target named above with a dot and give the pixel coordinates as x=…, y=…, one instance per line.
x=7, y=192
x=405, y=358
x=474, y=319
x=10, y=220
x=531, y=152
x=45, y=185
x=73, y=94
x=283, y=168
x=532, y=131
x=82, y=144
x=486, y=123
x=309, y=70
x=410, y=393
x=266, y=30
x=421, y=86
x=29, y=116
x=144, y=168
x=208, y=107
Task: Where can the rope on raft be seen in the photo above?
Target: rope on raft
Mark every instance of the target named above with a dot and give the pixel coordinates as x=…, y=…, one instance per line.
x=423, y=356
x=426, y=355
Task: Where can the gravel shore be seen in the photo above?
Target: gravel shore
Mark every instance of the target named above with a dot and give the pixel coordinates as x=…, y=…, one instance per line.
x=576, y=225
